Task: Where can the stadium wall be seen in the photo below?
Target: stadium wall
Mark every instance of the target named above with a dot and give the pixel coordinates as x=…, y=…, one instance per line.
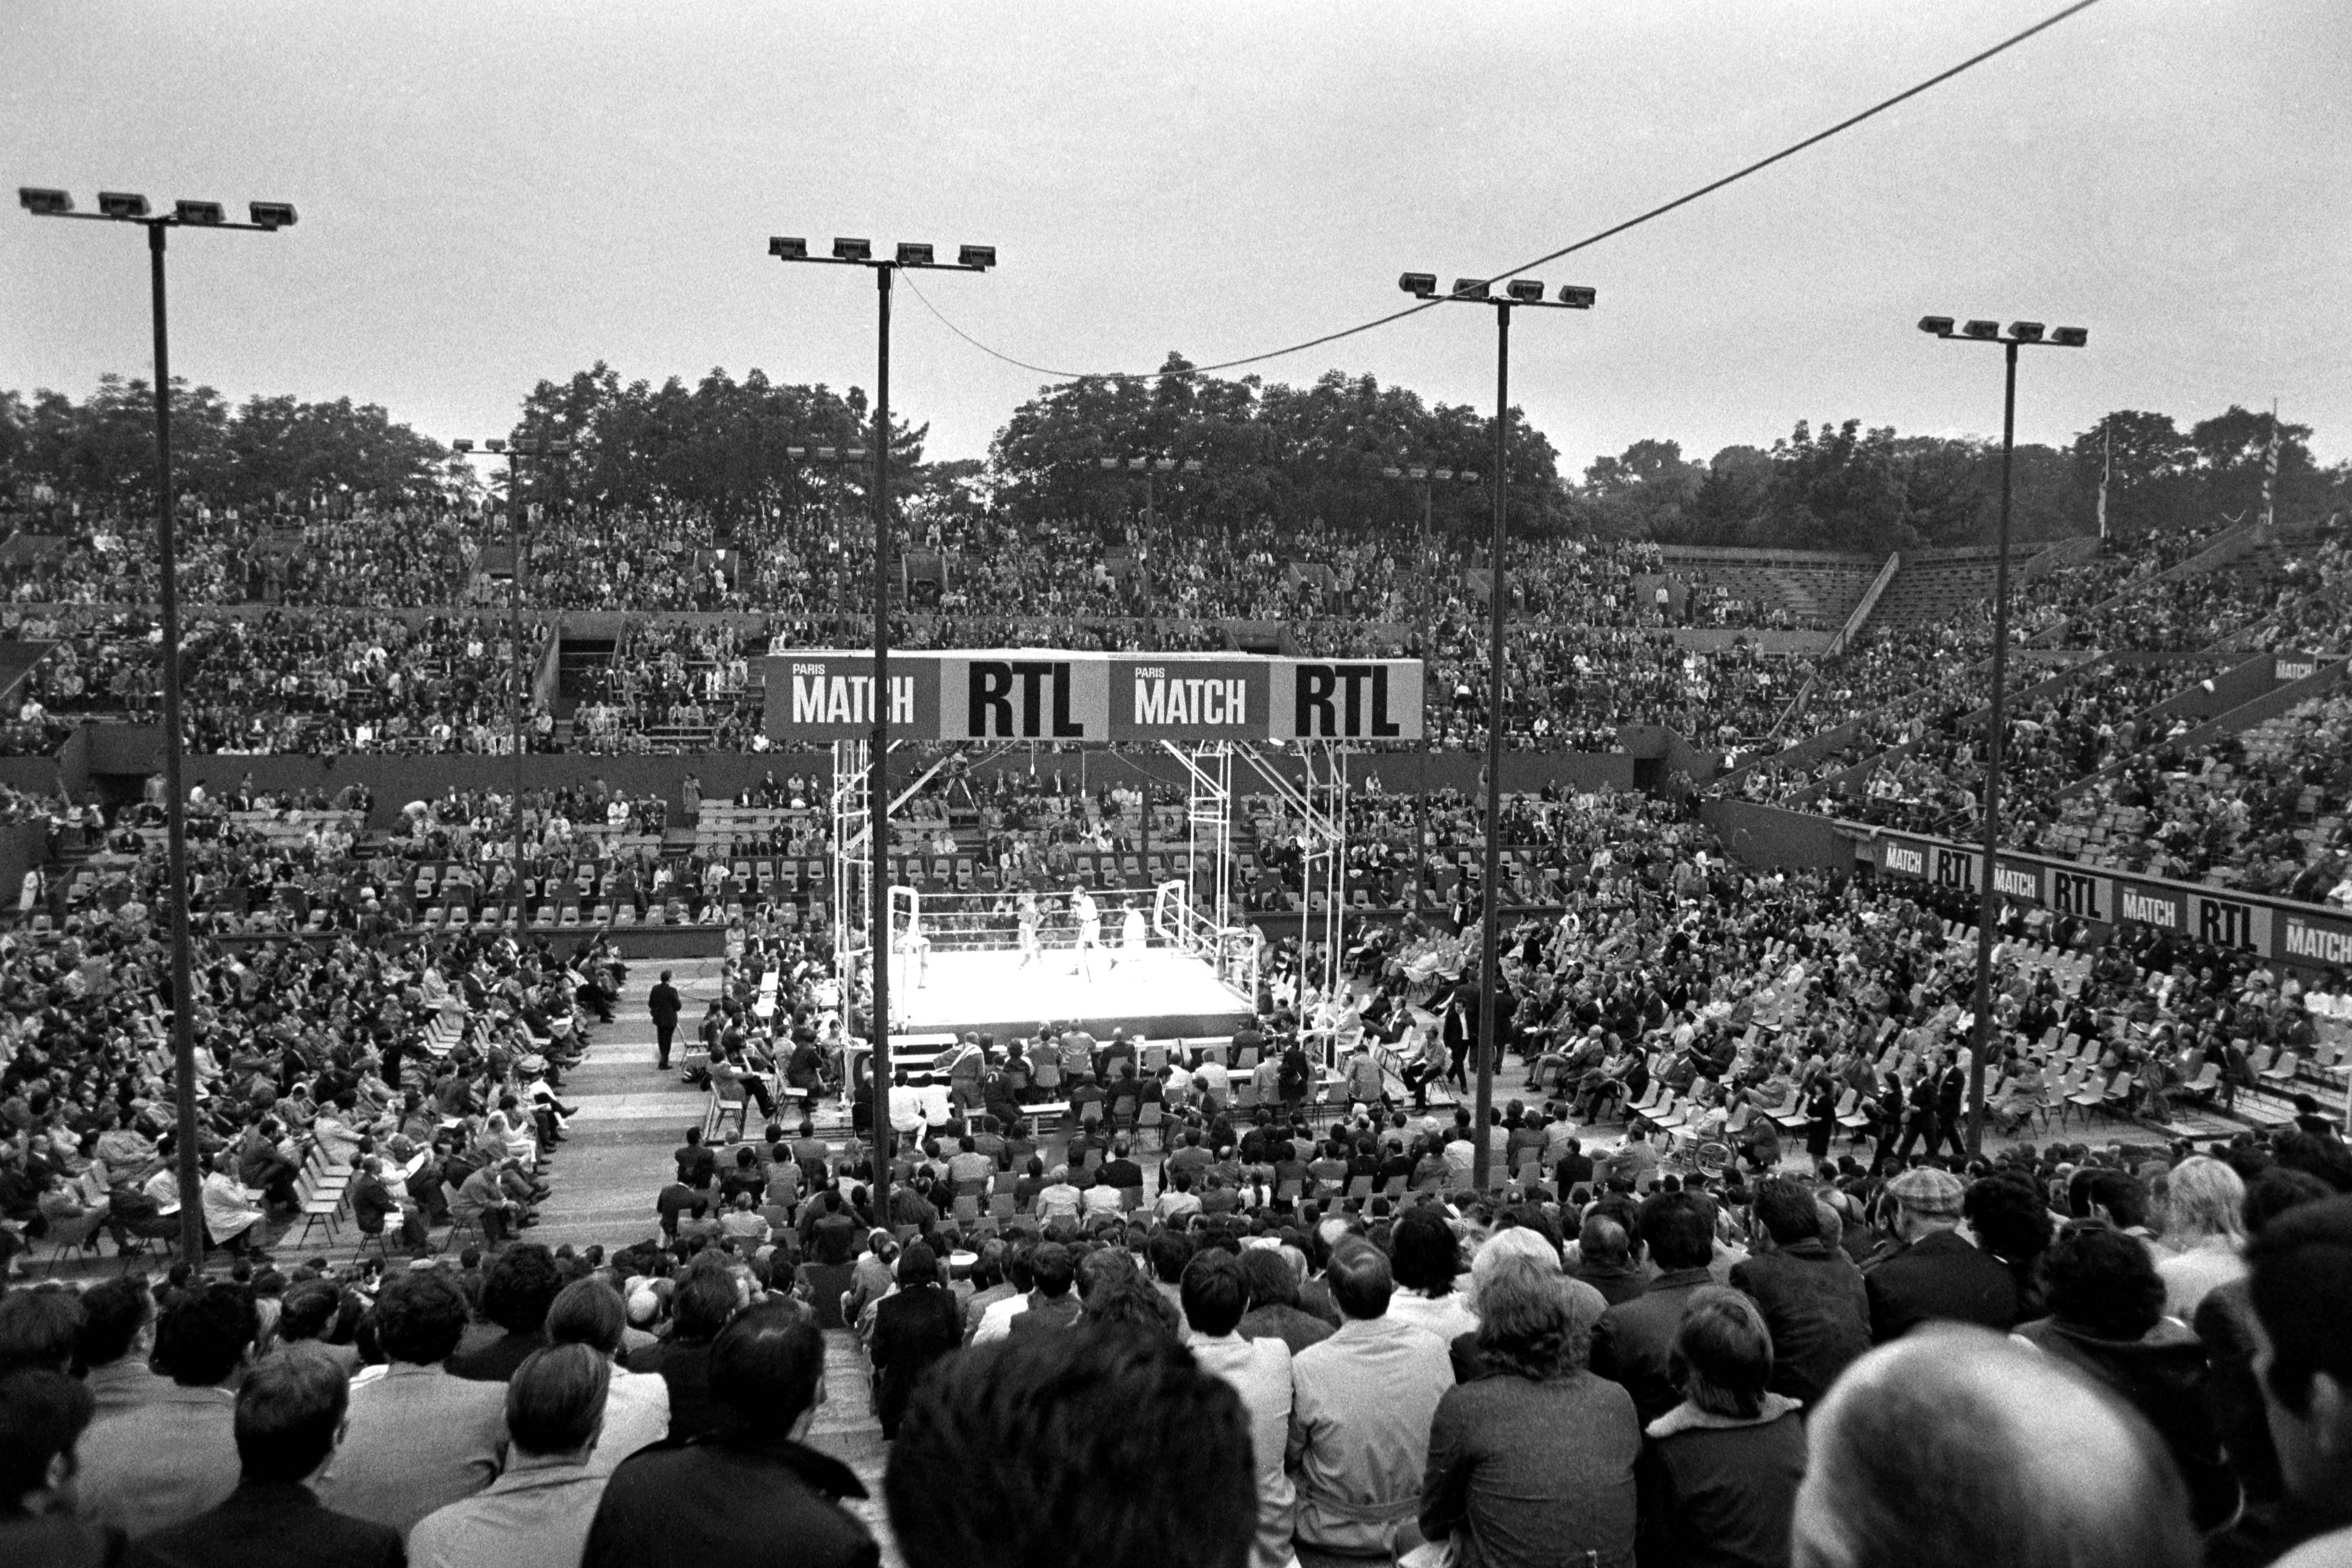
x=119, y=751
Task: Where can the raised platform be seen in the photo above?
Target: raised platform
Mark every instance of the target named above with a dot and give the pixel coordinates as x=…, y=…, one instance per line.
x=1162, y=994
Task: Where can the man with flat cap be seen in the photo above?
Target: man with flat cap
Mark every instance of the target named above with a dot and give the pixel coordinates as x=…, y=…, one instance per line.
x=1936, y=1273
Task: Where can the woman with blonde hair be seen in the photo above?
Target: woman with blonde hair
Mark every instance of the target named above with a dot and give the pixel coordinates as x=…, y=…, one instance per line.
x=2205, y=1227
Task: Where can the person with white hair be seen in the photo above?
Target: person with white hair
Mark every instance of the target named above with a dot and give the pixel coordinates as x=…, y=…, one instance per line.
x=1955, y=1447
x=2204, y=1232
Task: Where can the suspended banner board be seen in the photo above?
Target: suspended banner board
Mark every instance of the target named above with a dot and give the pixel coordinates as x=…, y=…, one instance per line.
x=1071, y=698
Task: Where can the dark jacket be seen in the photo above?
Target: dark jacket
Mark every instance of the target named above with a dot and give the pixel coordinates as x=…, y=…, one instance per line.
x=685, y=1366
x=1631, y=1343
x=1720, y=1493
x=734, y=1500
x=1939, y=1276
x=912, y=1330
x=496, y=1362
x=270, y=1525
x=2161, y=1374
x=1046, y=1315
x=662, y=1001
x=1617, y=1282
x=1818, y=1309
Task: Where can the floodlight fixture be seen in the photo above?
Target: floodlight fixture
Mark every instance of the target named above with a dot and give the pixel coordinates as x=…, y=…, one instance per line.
x=853, y=249
x=1527, y=290
x=1937, y=326
x=1441, y=474
x=1472, y=289
x=271, y=215
x=2069, y=337
x=2025, y=331
x=913, y=253
x=978, y=257
x=206, y=214
x=1109, y=462
x=1468, y=476
x=495, y=443
x=1423, y=284
x=788, y=247
x=1395, y=474
x=1980, y=329
x=43, y=201
x=1578, y=296
x=122, y=204
x=462, y=444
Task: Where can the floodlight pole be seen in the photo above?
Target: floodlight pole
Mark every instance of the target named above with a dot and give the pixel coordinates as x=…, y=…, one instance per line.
x=859, y=252
x=2020, y=334
x=1989, y=898
x=268, y=218
x=877, y=785
x=1517, y=292
x=175, y=802
x=1491, y=906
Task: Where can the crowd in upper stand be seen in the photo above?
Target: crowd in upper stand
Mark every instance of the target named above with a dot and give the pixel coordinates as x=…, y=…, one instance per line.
x=1592, y=648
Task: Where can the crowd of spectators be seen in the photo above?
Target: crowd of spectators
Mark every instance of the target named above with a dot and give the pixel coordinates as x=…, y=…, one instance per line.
x=1309, y=1331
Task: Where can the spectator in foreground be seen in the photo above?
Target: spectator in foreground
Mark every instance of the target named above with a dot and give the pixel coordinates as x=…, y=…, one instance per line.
x=1633, y=1342
x=2300, y=1282
x=516, y=1294
x=2107, y=1318
x=43, y=1415
x=1815, y=1308
x=1534, y=1462
x=416, y=1438
x=1955, y=1448
x=1719, y=1472
x=2204, y=1233
x=636, y=1404
x=537, y=1513
x=166, y=1460
x=732, y=1498
x=1936, y=1273
x=1215, y=1289
x=290, y=1416
x=1362, y=1405
x=914, y=1326
x=1020, y=1425
x=117, y=1336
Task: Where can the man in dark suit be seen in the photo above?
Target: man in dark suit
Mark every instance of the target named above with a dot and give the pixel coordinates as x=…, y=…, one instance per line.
x=698, y=1166
x=1811, y=1294
x=1121, y=1171
x=1936, y=1273
x=749, y=1492
x=290, y=1417
x=665, y=1004
x=1632, y=1341
x=1053, y=1304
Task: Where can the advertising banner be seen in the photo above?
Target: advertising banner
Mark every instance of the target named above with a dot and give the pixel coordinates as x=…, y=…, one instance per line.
x=1039, y=694
x=1345, y=700
x=2311, y=937
x=1024, y=696
x=1177, y=698
x=830, y=696
x=2151, y=904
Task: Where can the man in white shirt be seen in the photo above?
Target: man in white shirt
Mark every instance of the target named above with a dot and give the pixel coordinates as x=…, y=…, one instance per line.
x=1214, y=1293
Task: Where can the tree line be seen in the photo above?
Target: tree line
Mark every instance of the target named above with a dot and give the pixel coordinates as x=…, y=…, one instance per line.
x=1271, y=456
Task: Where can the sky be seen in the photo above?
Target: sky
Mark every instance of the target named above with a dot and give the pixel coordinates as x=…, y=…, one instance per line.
x=492, y=195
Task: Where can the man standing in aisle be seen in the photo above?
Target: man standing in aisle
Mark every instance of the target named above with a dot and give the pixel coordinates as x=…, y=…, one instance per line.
x=663, y=1002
